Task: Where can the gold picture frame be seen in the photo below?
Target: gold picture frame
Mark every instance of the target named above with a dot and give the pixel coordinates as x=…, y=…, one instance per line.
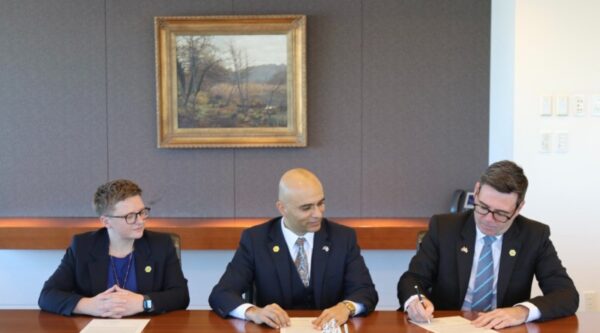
x=231, y=81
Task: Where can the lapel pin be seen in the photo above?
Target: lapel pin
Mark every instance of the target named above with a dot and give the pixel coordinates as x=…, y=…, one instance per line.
x=148, y=269
x=326, y=248
x=512, y=252
x=276, y=248
x=464, y=249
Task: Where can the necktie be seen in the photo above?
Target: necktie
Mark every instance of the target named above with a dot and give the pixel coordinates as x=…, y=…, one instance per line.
x=301, y=261
x=484, y=280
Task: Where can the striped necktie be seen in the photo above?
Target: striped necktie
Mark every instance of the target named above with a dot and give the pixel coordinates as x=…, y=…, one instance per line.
x=484, y=280
x=301, y=261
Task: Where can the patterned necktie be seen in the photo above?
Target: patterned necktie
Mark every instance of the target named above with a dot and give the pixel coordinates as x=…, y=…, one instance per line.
x=484, y=280
x=301, y=261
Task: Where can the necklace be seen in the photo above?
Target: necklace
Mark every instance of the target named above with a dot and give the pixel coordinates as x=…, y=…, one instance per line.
x=114, y=269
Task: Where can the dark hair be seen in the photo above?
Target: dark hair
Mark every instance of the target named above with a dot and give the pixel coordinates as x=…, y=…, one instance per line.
x=109, y=194
x=506, y=177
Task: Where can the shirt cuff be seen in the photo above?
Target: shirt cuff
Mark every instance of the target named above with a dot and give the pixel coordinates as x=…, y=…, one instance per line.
x=359, y=308
x=409, y=300
x=534, y=312
x=240, y=311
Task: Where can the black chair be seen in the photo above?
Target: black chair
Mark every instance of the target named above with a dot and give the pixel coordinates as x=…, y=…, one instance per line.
x=420, y=236
x=177, y=244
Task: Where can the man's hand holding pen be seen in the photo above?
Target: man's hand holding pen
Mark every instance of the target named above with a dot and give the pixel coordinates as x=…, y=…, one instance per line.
x=420, y=309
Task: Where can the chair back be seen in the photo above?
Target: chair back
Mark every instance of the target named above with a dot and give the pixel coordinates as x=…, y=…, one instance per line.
x=177, y=244
x=420, y=236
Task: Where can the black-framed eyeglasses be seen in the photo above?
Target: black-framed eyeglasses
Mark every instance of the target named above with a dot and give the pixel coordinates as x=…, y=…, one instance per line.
x=500, y=217
x=131, y=218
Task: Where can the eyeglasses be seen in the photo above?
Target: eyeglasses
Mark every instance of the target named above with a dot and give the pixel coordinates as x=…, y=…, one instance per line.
x=500, y=217
x=131, y=218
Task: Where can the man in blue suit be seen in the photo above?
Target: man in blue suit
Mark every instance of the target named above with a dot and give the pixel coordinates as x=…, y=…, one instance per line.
x=484, y=260
x=297, y=261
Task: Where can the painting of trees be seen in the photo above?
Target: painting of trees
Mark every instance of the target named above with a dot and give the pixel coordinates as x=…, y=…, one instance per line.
x=231, y=81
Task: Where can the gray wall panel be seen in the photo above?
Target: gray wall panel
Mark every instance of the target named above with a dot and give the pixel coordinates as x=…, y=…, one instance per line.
x=176, y=182
x=426, y=69
x=53, y=106
x=397, y=108
x=334, y=114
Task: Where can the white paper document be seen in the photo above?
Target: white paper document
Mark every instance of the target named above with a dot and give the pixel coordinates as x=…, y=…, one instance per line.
x=454, y=324
x=304, y=325
x=115, y=326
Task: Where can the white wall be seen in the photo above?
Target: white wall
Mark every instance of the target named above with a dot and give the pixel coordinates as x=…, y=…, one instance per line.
x=502, y=80
x=23, y=272
x=556, y=52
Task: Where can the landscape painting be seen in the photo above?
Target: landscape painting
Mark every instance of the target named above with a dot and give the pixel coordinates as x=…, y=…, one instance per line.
x=231, y=81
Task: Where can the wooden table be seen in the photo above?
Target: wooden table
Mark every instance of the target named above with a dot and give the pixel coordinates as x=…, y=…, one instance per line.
x=204, y=321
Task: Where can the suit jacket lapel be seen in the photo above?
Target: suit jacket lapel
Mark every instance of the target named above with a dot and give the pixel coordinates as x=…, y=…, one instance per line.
x=511, y=245
x=98, y=265
x=465, y=249
x=281, y=261
x=144, y=265
x=320, y=258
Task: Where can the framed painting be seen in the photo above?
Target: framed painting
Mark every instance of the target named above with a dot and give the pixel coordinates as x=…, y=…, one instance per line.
x=231, y=81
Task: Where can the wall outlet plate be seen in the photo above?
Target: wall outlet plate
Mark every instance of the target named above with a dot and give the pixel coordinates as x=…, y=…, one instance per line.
x=562, y=142
x=578, y=105
x=545, y=142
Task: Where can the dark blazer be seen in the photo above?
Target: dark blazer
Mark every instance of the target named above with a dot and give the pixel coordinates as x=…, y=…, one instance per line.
x=83, y=272
x=442, y=267
x=338, y=270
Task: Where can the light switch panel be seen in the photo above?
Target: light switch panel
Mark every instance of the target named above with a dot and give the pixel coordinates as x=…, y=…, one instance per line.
x=562, y=106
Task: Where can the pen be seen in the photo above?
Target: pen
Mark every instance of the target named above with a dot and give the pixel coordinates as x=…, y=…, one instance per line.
x=421, y=300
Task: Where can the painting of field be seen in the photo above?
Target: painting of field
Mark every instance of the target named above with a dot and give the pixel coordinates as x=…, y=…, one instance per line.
x=232, y=81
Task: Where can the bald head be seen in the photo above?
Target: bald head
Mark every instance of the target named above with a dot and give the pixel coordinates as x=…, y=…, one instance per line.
x=295, y=180
x=301, y=201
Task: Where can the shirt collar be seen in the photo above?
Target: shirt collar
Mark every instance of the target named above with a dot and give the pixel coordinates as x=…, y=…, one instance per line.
x=290, y=237
x=480, y=235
